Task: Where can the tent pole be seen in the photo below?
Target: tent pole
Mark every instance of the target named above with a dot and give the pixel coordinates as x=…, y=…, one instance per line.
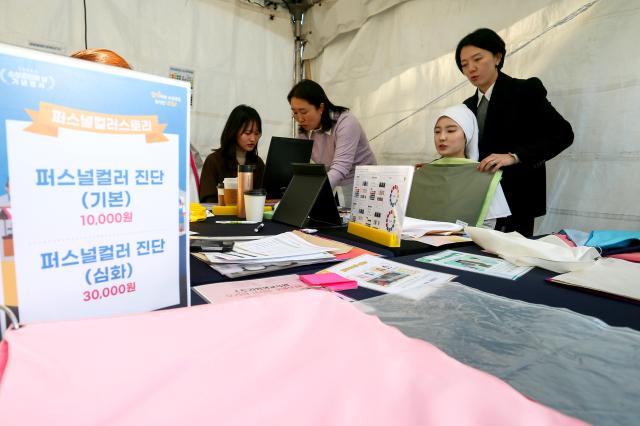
x=297, y=9
x=299, y=47
x=297, y=18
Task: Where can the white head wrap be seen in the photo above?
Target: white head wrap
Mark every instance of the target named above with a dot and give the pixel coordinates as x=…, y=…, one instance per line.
x=467, y=121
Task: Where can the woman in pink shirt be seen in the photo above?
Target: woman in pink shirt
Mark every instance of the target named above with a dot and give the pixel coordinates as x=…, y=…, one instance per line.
x=338, y=139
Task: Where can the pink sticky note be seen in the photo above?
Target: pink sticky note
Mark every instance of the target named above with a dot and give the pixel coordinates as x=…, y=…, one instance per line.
x=331, y=280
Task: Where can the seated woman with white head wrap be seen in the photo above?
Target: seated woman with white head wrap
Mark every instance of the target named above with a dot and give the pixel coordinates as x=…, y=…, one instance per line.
x=456, y=136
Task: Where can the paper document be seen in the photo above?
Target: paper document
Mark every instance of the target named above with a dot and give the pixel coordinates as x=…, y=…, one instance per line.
x=281, y=245
x=271, y=253
x=441, y=240
x=237, y=270
x=240, y=257
x=335, y=247
x=228, y=238
x=390, y=277
x=608, y=275
x=419, y=227
x=340, y=250
x=476, y=263
x=228, y=292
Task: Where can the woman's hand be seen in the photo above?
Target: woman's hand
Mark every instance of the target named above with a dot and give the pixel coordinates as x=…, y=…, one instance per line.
x=494, y=162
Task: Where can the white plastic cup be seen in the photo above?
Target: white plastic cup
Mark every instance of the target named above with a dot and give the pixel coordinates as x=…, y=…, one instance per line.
x=254, y=204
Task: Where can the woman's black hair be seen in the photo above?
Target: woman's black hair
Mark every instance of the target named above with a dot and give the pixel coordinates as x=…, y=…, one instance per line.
x=240, y=118
x=486, y=39
x=313, y=93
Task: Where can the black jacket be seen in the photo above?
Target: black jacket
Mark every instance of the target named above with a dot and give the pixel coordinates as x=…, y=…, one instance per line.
x=522, y=121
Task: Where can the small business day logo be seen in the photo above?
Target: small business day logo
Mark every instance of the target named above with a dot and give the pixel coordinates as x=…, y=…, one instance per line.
x=26, y=77
x=160, y=98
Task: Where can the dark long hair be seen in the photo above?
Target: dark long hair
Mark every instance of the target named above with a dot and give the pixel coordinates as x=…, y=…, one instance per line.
x=240, y=118
x=313, y=93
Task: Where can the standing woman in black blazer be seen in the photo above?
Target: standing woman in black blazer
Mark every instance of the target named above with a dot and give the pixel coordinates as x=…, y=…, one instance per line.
x=519, y=129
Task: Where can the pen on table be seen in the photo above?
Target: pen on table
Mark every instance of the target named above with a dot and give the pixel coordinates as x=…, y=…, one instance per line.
x=236, y=222
x=259, y=227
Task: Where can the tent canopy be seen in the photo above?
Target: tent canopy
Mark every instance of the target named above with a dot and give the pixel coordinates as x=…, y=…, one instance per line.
x=391, y=62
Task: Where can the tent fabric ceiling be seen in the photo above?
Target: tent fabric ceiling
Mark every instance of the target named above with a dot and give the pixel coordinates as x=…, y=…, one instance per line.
x=391, y=62
x=327, y=21
x=238, y=52
x=396, y=71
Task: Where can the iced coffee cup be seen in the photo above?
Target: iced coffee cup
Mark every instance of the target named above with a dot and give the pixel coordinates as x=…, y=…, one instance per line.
x=230, y=191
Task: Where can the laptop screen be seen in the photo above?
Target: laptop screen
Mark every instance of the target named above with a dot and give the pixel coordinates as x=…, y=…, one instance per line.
x=278, y=171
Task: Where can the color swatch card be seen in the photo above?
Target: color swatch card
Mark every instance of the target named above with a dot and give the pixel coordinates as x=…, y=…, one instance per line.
x=380, y=196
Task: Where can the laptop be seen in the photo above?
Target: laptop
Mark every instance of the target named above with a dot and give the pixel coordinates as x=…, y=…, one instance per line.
x=278, y=171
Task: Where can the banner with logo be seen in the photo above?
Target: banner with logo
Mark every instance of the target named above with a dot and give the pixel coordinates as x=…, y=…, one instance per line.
x=93, y=188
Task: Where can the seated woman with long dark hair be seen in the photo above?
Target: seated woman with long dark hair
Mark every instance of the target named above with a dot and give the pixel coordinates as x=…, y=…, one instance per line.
x=238, y=145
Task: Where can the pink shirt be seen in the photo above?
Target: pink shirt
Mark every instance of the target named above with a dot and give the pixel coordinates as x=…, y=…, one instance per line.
x=341, y=149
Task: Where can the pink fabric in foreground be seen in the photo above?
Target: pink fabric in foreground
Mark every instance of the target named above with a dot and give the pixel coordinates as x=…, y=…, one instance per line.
x=303, y=358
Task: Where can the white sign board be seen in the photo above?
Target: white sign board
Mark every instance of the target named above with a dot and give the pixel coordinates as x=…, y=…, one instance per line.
x=95, y=172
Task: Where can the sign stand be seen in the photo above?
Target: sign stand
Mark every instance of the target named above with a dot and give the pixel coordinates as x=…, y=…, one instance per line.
x=308, y=200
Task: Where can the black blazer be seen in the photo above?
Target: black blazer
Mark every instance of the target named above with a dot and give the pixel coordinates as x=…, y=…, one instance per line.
x=522, y=121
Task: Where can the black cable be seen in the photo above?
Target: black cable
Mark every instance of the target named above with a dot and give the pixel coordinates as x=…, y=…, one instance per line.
x=84, y=4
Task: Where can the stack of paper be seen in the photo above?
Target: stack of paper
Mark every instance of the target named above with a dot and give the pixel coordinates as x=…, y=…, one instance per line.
x=267, y=254
x=229, y=292
x=432, y=232
x=340, y=250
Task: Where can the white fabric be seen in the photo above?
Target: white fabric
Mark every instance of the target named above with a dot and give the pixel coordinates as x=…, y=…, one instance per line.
x=499, y=206
x=418, y=227
x=545, y=253
x=400, y=61
x=345, y=194
x=467, y=121
x=614, y=276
